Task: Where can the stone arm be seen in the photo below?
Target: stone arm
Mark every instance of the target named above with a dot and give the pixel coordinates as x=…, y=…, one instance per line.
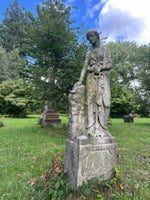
x=83, y=72
x=84, y=69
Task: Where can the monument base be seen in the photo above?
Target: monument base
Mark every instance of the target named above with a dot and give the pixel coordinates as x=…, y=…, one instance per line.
x=90, y=157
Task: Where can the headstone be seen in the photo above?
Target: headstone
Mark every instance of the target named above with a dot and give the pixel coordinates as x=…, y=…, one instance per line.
x=91, y=150
x=49, y=116
x=128, y=119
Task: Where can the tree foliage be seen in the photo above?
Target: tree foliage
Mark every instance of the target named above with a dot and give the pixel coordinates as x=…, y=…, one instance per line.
x=143, y=73
x=12, y=38
x=16, y=99
x=122, y=101
x=11, y=28
x=11, y=64
x=124, y=56
x=131, y=68
x=46, y=50
x=58, y=56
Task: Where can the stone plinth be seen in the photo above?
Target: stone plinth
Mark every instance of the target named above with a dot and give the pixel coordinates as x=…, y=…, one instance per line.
x=88, y=157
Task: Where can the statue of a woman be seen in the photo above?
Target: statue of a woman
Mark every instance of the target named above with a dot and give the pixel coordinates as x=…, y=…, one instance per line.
x=97, y=64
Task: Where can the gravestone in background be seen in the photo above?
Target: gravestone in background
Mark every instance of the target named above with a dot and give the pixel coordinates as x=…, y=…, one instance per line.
x=128, y=119
x=91, y=150
x=49, y=116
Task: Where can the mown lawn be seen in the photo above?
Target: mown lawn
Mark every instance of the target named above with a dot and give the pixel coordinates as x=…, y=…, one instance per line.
x=26, y=151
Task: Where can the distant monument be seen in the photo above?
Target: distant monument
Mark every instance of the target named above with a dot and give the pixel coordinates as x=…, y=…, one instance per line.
x=49, y=116
x=90, y=148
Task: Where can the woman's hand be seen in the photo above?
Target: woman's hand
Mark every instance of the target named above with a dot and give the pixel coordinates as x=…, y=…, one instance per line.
x=76, y=85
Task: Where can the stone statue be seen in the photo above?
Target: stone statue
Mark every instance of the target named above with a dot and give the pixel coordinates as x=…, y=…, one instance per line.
x=97, y=92
x=91, y=150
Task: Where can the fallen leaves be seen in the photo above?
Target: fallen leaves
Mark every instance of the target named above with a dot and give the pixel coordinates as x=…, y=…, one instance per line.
x=57, y=169
x=57, y=166
x=42, y=176
x=21, y=175
x=34, y=158
x=121, y=187
x=32, y=181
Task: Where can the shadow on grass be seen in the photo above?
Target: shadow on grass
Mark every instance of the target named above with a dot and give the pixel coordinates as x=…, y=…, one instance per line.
x=142, y=124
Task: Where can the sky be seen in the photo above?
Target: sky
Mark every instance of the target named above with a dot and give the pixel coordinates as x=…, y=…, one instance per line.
x=127, y=20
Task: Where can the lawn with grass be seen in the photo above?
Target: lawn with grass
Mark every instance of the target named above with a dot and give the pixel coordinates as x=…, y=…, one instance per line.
x=26, y=151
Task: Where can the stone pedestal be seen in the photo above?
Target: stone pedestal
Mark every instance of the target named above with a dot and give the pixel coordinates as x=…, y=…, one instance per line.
x=89, y=157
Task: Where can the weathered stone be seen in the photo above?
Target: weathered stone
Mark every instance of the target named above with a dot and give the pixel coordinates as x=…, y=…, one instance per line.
x=77, y=115
x=90, y=148
x=87, y=158
x=94, y=99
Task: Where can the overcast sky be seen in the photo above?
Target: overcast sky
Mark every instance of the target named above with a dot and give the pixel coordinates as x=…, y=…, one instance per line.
x=128, y=20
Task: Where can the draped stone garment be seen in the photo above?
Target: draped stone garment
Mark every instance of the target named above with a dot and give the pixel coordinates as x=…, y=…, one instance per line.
x=98, y=90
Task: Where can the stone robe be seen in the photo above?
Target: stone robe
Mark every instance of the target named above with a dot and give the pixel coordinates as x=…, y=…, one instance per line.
x=98, y=63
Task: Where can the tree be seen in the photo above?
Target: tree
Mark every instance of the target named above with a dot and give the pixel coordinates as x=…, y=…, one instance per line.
x=143, y=72
x=131, y=68
x=11, y=64
x=58, y=57
x=3, y=64
x=121, y=76
x=143, y=103
x=16, y=99
x=122, y=101
x=124, y=57
x=11, y=33
x=12, y=38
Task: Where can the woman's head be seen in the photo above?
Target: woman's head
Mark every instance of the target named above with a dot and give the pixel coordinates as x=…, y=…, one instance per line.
x=92, y=31
x=93, y=37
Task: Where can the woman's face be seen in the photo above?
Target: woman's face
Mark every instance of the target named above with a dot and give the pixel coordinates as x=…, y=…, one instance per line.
x=92, y=38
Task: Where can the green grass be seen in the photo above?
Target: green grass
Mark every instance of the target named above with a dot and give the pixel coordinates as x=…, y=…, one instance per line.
x=26, y=151
x=133, y=140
